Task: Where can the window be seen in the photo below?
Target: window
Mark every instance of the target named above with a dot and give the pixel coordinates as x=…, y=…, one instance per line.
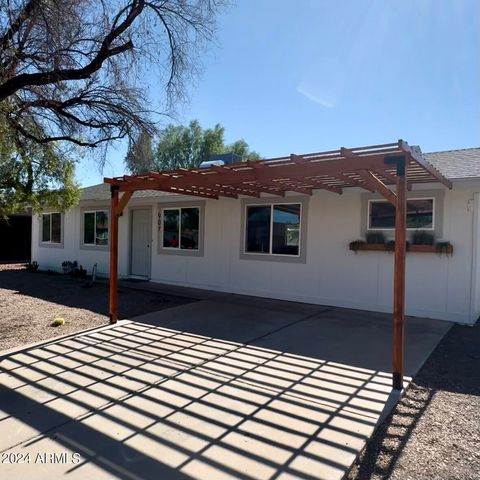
x=51, y=228
x=420, y=214
x=273, y=229
x=95, y=228
x=181, y=228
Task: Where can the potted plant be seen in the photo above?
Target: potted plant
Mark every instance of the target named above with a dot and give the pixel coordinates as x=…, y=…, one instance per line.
x=421, y=237
x=67, y=266
x=390, y=246
x=357, y=245
x=32, y=267
x=444, y=247
x=78, y=272
x=375, y=238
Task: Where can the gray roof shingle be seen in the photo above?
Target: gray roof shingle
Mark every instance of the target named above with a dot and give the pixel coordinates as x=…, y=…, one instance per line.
x=456, y=164
x=102, y=192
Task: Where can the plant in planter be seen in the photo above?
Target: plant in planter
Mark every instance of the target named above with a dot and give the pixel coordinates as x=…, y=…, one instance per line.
x=32, y=267
x=356, y=245
x=67, y=266
x=376, y=238
x=444, y=247
x=79, y=272
x=390, y=246
x=421, y=237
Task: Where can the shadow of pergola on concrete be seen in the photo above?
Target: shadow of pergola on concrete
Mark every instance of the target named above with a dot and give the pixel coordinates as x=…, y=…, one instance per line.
x=143, y=401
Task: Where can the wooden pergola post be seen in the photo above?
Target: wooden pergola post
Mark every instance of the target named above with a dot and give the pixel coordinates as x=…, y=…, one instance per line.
x=116, y=209
x=113, y=240
x=399, y=273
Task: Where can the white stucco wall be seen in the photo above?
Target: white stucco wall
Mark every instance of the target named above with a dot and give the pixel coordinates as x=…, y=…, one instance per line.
x=440, y=287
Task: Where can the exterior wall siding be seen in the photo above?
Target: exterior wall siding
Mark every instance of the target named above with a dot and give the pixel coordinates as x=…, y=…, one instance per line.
x=439, y=287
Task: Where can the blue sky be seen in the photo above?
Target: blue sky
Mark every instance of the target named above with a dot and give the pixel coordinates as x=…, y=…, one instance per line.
x=310, y=75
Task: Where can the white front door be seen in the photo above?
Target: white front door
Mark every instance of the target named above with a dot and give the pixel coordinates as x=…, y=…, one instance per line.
x=141, y=235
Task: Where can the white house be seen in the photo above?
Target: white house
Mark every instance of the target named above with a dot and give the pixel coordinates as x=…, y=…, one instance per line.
x=294, y=247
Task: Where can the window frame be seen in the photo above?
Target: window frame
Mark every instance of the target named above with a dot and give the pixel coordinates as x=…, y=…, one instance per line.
x=94, y=246
x=161, y=207
x=49, y=243
x=391, y=229
x=303, y=200
x=179, y=210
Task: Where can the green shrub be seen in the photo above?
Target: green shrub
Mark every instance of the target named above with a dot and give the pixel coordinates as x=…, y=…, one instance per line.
x=444, y=247
x=377, y=238
x=421, y=237
x=356, y=245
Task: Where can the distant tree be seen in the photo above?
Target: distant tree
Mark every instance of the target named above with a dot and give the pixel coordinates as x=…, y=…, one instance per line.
x=240, y=147
x=34, y=176
x=189, y=146
x=139, y=158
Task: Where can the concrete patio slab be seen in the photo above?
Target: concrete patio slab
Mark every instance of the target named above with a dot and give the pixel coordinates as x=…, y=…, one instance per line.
x=205, y=390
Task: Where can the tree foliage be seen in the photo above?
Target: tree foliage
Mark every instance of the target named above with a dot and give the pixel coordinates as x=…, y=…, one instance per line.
x=139, y=157
x=187, y=147
x=34, y=176
x=75, y=73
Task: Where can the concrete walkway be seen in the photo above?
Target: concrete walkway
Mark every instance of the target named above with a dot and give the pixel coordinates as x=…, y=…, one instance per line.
x=216, y=389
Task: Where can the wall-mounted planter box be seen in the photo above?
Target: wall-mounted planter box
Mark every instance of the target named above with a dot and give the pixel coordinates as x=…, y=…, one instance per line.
x=370, y=247
x=375, y=247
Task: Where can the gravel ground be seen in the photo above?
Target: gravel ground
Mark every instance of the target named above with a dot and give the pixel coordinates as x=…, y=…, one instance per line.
x=434, y=432
x=30, y=301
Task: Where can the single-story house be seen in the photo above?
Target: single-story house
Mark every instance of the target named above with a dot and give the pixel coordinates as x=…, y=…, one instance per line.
x=296, y=246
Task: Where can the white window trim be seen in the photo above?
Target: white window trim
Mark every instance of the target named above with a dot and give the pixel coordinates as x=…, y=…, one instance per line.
x=95, y=245
x=50, y=243
x=391, y=229
x=196, y=252
x=270, y=253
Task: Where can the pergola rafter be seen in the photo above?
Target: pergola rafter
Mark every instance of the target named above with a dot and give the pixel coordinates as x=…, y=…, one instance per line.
x=377, y=185
x=374, y=168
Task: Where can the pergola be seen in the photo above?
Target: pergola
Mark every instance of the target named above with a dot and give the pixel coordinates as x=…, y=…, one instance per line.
x=373, y=168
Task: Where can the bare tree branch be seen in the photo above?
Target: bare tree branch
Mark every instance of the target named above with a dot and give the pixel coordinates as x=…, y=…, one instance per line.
x=75, y=71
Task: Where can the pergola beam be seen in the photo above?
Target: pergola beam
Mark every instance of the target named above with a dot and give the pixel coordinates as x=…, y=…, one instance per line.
x=265, y=188
x=296, y=189
x=253, y=190
x=353, y=182
x=373, y=181
x=297, y=159
x=391, y=178
x=123, y=202
x=194, y=193
x=324, y=186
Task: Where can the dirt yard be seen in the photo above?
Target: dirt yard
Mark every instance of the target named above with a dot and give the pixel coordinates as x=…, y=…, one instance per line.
x=434, y=432
x=29, y=302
